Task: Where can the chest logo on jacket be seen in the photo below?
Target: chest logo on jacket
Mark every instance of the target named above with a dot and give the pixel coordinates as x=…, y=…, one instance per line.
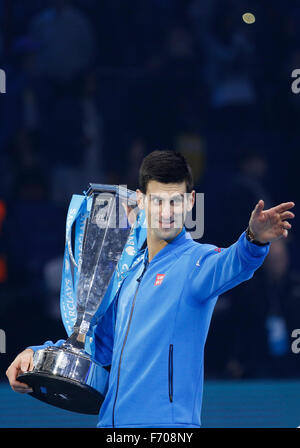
x=159, y=279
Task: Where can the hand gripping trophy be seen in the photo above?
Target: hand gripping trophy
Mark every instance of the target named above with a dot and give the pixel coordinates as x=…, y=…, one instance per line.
x=67, y=376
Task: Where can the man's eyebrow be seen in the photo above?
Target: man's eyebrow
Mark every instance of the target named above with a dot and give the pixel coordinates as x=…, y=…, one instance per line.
x=176, y=195
x=154, y=196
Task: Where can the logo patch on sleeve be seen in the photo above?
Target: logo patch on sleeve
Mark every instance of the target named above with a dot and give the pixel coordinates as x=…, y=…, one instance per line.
x=159, y=279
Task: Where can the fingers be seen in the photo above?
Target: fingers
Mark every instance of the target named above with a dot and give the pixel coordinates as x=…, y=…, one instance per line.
x=22, y=363
x=272, y=221
x=12, y=373
x=286, y=225
x=22, y=388
x=287, y=215
x=285, y=234
x=25, y=364
x=259, y=207
x=284, y=206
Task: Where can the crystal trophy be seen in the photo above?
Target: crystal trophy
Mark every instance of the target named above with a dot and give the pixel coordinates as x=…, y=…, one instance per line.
x=66, y=376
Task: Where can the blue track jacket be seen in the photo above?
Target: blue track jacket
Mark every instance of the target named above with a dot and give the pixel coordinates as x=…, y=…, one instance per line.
x=153, y=333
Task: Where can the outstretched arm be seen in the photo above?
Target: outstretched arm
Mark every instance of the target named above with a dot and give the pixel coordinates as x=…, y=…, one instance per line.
x=218, y=270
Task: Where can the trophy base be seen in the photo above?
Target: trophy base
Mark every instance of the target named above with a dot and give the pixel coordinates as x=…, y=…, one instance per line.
x=67, y=379
x=63, y=393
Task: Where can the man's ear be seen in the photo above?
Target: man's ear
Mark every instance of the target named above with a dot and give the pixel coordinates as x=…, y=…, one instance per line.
x=140, y=199
x=190, y=201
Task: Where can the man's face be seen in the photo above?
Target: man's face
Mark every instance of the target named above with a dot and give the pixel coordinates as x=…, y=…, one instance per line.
x=165, y=206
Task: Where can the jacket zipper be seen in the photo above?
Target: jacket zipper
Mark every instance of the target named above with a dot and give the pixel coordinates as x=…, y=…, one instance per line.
x=171, y=373
x=125, y=339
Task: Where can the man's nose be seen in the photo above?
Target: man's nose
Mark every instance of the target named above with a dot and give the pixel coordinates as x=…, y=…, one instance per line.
x=165, y=209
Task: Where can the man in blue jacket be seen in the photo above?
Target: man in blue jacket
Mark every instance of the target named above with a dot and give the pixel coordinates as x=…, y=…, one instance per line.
x=154, y=332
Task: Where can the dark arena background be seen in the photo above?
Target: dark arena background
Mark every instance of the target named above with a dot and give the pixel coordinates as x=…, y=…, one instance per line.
x=94, y=86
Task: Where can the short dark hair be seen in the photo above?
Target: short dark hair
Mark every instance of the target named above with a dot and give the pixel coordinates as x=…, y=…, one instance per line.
x=165, y=167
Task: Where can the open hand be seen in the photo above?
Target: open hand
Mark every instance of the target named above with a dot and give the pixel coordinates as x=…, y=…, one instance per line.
x=22, y=363
x=270, y=225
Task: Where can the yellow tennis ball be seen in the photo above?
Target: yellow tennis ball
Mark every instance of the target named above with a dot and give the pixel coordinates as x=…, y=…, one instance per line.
x=248, y=18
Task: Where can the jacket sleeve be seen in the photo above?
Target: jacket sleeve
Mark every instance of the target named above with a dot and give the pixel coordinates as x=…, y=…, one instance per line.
x=218, y=270
x=103, y=337
x=47, y=344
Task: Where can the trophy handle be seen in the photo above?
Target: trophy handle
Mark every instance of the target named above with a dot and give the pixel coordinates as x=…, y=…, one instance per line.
x=70, y=250
x=71, y=254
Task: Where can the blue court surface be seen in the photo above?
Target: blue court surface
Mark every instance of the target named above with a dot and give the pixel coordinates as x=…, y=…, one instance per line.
x=226, y=404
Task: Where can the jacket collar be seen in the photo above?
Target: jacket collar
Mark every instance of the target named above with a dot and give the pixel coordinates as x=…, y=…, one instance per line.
x=177, y=242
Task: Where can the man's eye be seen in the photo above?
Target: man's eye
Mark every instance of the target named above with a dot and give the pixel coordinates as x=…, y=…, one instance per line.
x=156, y=201
x=177, y=201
